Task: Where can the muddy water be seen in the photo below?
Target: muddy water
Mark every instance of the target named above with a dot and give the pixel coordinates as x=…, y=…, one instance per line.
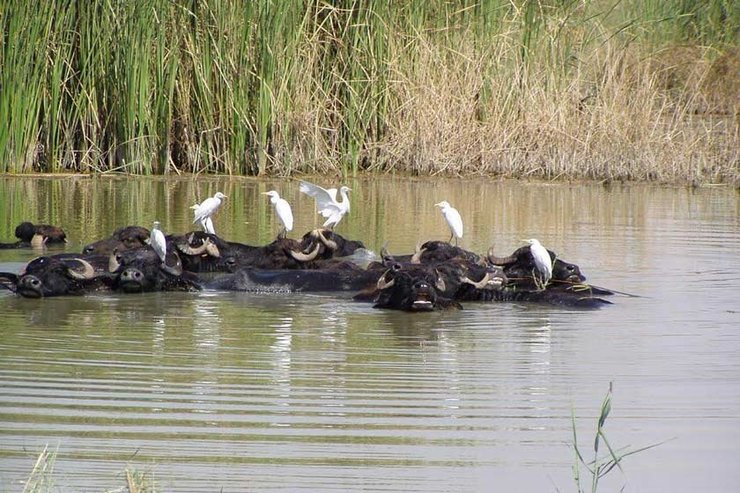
x=315, y=392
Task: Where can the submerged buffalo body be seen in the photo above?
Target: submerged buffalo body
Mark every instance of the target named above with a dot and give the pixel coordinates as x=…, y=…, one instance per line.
x=340, y=277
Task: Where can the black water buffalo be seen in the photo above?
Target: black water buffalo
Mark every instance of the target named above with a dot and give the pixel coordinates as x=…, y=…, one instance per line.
x=412, y=288
x=457, y=278
x=575, y=296
x=519, y=267
x=434, y=251
x=58, y=275
x=141, y=269
x=202, y=252
x=36, y=235
x=125, y=238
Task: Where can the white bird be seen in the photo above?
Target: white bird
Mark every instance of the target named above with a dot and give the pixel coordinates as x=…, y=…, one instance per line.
x=207, y=223
x=157, y=241
x=542, y=261
x=283, y=210
x=326, y=202
x=206, y=209
x=454, y=221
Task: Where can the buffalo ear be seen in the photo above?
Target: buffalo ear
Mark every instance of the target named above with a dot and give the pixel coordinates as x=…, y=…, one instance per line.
x=9, y=281
x=440, y=283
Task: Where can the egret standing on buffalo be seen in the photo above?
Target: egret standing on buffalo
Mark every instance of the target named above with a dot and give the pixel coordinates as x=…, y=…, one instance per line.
x=284, y=213
x=206, y=209
x=542, y=261
x=454, y=221
x=326, y=202
x=157, y=241
x=207, y=223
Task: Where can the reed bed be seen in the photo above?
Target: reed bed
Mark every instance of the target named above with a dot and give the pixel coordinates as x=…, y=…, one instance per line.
x=599, y=89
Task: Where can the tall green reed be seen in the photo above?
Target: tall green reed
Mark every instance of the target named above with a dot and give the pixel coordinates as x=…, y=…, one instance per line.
x=276, y=87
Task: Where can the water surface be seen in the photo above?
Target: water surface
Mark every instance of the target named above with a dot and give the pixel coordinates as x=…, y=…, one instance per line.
x=314, y=392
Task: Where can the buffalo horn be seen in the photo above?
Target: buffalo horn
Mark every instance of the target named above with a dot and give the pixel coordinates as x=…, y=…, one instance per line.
x=416, y=257
x=478, y=284
x=382, y=284
x=330, y=244
x=499, y=260
x=190, y=250
x=87, y=273
x=305, y=257
x=212, y=248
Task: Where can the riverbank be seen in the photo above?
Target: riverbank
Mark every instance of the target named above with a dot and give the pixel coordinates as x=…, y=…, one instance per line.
x=636, y=91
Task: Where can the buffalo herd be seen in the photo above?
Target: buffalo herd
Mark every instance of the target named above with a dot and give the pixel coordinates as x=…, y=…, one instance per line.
x=437, y=276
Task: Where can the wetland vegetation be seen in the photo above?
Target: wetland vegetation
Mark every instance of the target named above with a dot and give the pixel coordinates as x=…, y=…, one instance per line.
x=594, y=89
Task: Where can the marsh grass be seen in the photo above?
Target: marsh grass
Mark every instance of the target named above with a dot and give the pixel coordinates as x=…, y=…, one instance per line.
x=595, y=89
x=41, y=477
x=604, y=461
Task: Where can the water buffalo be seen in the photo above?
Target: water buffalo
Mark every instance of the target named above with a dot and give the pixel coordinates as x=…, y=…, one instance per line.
x=202, y=252
x=141, y=269
x=58, y=275
x=412, y=288
x=125, y=238
x=435, y=251
x=36, y=235
x=455, y=278
x=520, y=268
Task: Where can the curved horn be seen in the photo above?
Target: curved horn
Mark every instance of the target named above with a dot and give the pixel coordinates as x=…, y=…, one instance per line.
x=416, y=257
x=330, y=244
x=499, y=260
x=440, y=284
x=189, y=250
x=38, y=241
x=305, y=257
x=87, y=273
x=174, y=270
x=478, y=284
x=382, y=284
x=212, y=248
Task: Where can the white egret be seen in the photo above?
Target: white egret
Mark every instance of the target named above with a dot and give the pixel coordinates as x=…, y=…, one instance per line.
x=207, y=223
x=454, y=221
x=157, y=241
x=542, y=261
x=206, y=209
x=283, y=210
x=326, y=202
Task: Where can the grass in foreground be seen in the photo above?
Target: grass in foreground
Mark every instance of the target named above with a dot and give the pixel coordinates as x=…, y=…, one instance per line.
x=41, y=480
x=601, y=465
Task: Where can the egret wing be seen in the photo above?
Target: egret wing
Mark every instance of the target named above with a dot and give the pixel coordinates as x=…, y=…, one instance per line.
x=326, y=200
